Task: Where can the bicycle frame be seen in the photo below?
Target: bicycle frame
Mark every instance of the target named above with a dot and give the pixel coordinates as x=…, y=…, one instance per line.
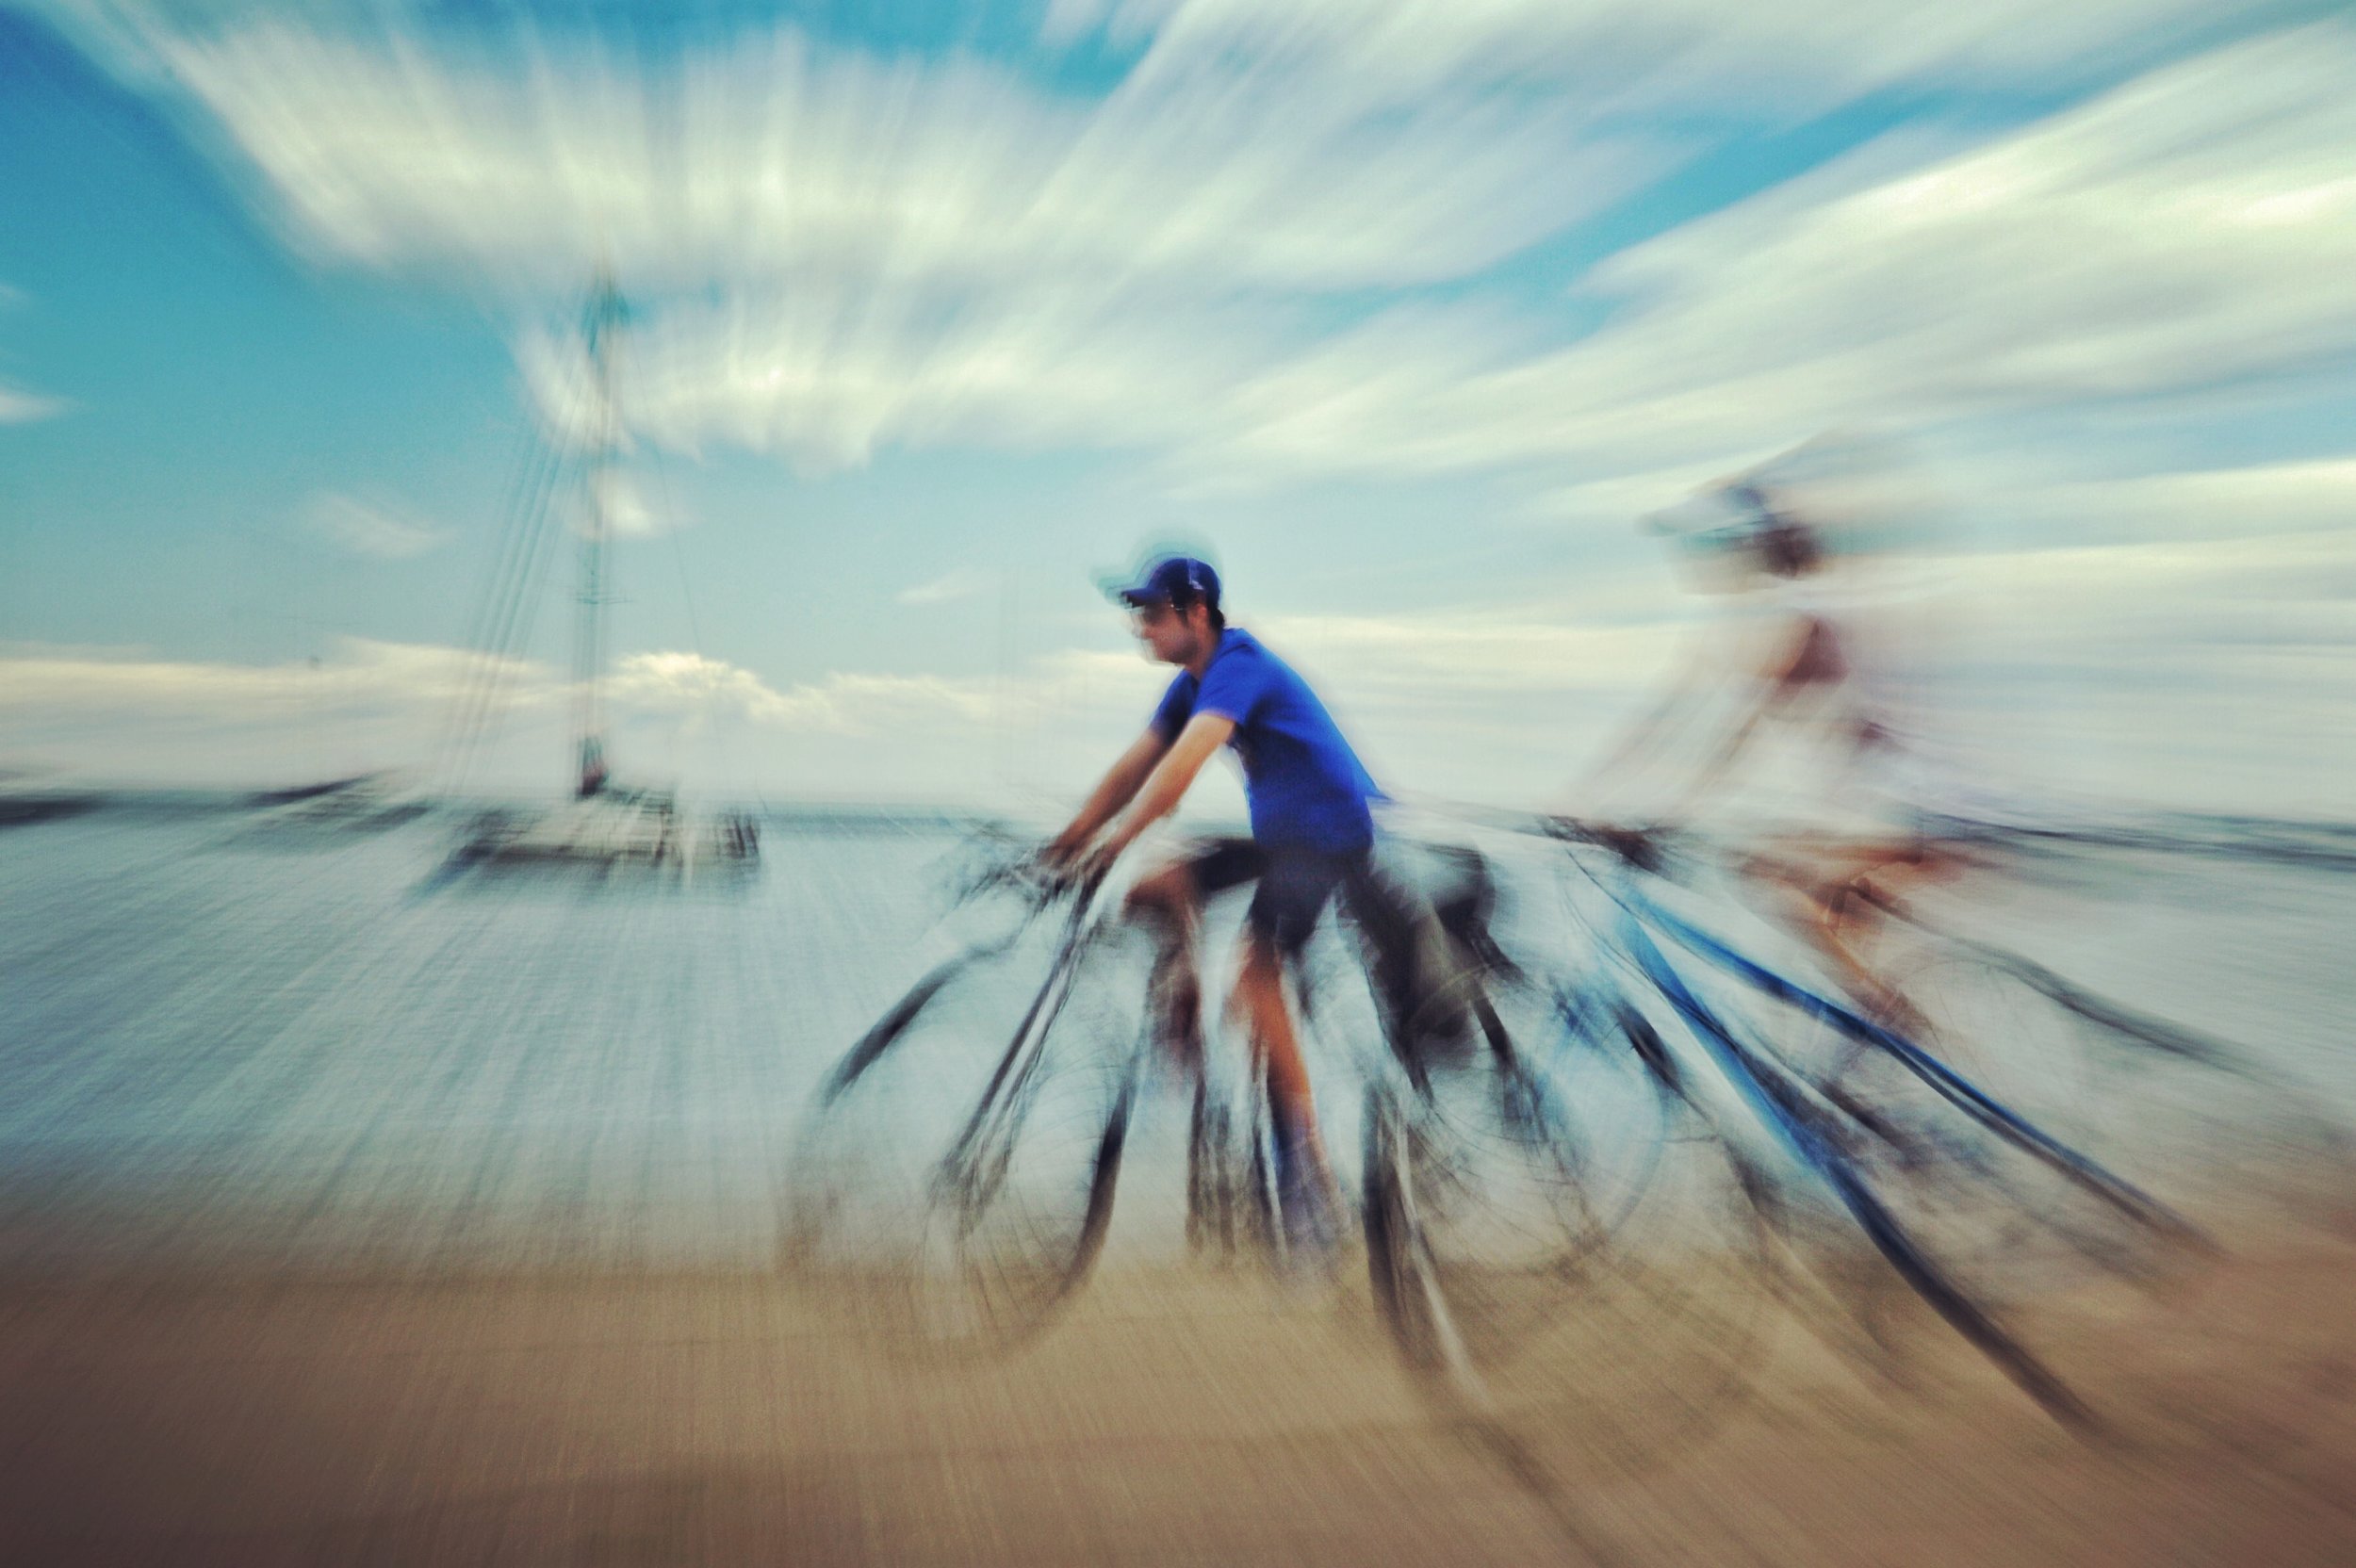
x=1036, y=1021
x=1783, y=1107
x=1951, y=1085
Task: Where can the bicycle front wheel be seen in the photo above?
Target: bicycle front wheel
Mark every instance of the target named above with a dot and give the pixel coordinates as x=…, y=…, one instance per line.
x=956, y=1190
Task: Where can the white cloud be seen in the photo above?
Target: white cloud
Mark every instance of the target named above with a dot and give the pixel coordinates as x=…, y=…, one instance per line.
x=629, y=514
x=366, y=527
x=841, y=703
x=100, y=685
x=1225, y=258
x=959, y=584
x=381, y=704
x=827, y=375
x=19, y=407
x=2201, y=668
x=2190, y=606
x=2189, y=228
x=1548, y=39
x=862, y=249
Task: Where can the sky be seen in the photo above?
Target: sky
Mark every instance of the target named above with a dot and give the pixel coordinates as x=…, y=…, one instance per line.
x=1403, y=313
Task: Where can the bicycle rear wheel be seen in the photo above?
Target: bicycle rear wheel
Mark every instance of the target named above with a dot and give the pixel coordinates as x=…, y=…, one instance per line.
x=2009, y=1176
x=2017, y=1192
x=957, y=1188
x=2199, y=1123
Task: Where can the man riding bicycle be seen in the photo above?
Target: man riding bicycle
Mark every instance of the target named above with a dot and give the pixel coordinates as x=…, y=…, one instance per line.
x=1312, y=838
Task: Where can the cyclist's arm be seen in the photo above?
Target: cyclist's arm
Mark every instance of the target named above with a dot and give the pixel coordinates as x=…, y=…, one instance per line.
x=1645, y=737
x=1779, y=683
x=1646, y=733
x=1167, y=784
x=1116, y=789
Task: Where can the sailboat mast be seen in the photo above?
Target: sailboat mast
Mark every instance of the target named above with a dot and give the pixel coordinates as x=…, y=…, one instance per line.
x=599, y=325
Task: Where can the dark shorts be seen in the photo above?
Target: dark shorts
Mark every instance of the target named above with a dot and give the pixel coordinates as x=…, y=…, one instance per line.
x=1386, y=914
x=1295, y=885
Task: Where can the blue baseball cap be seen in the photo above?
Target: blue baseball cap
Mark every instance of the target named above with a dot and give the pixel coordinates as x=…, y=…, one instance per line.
x=1178, y=581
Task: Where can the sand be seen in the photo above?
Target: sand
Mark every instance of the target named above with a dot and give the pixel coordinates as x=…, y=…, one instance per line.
x=1172, y=1416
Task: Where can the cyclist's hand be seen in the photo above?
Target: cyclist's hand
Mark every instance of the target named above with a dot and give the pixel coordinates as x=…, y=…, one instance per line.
x=1059, y=866
x=1061, y=851
x=1088, y=870
x=1638, y=845
x=1641, y=845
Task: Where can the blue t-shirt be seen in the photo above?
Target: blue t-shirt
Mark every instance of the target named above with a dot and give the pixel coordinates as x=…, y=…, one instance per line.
x=1306, y=787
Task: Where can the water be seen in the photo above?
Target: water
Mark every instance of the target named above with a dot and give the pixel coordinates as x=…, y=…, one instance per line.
x=215, y=1039
x=224, y=1046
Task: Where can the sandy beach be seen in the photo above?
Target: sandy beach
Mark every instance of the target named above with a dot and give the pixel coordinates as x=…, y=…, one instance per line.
x=1171, y=1418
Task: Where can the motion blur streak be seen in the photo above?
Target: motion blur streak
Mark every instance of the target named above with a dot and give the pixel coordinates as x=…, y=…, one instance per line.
x=550, y=594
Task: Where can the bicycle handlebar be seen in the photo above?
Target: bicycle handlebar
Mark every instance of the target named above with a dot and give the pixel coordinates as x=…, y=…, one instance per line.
x=1027, y=872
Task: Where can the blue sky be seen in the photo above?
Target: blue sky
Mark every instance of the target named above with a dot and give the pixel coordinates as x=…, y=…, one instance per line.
x=1405, y=311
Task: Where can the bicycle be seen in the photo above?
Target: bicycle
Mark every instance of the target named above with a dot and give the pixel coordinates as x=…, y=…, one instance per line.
x=971, y=1186
x=2239, y=1142
x=1502, y=1186
x=1987, y=1215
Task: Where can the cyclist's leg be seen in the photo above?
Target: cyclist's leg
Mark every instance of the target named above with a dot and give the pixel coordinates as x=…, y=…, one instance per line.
x=1168, y=901
x=1294, y=888
x=1454, y=949
x=1816, y=883
x=1417, y=961
x=1870, y=899
x=1260, y=998
x=1295, y=885
x=1847, y=925
x=1308, y=1198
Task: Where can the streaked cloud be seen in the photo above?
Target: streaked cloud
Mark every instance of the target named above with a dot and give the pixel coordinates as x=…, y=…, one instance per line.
x=831, y=374
x=839, y=251
x=19, y=406
x=842, y=702
x=2256, y=502
x=2190, y=228
x=1501, y=649
x=369, y=529
x=1290, y=241
x=129, y=712
x=766, y=154
x=102, y=685
x=1801, y=56
x=99, y=686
